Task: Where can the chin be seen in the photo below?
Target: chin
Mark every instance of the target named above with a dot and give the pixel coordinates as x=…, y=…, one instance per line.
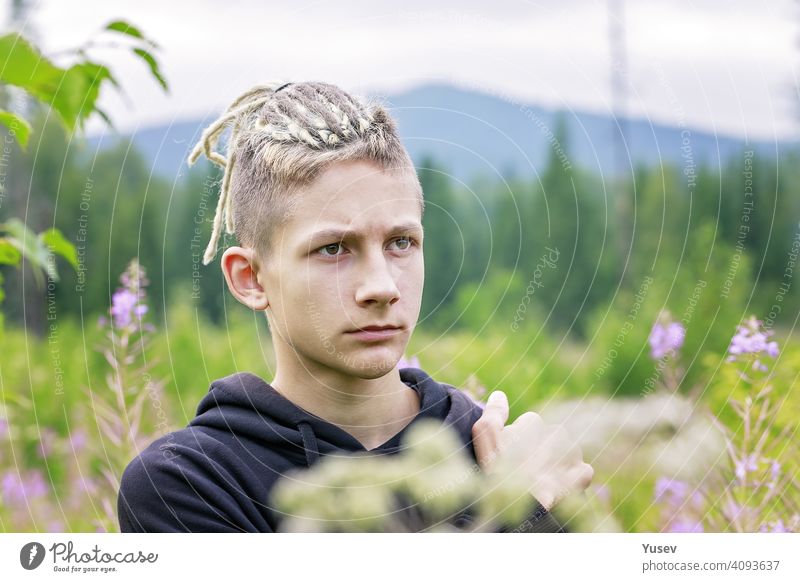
x=369, y=367
x=371, y=374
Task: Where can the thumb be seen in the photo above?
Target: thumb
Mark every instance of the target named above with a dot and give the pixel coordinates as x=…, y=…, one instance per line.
x=497, y=407
x=486, y=431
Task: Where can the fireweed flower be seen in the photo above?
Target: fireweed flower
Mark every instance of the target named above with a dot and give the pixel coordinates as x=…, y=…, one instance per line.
x=86, y=484
x=670, y=489
x=666, y=337
x=122, y=305
x=774, y=527
x=752, y=340
x=681, y=525
x=128, y=302
x=12, y=488
x=603, y=493
x=47, y=442
x=781, y=526
x=756, y=491
x=676, y=497
x=733, y=510
x=119, y=409
x=743, y=466
x=19, y=488
x=775, y=470
x=674, y=492
x=757, y=471
x=78, y=439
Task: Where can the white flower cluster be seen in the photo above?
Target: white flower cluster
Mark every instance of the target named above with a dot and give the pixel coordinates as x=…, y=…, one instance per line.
x=427, y=486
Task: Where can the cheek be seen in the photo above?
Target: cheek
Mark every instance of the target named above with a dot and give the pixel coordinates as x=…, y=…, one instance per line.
x=307, y=319
x=413, y=277
x=322, y=299
x=295, y=299
x=304, y=284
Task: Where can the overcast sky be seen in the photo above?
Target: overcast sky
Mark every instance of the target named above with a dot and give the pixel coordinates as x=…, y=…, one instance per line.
x=726, y=66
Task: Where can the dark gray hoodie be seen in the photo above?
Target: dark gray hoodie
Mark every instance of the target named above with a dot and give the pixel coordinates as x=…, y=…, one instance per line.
x=216, y=474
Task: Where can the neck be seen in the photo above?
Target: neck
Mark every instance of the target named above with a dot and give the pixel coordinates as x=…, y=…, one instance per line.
x=372, y=410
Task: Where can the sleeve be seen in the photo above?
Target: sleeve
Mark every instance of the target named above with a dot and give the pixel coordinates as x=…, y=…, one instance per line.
x=539, y=521
x=181, y=489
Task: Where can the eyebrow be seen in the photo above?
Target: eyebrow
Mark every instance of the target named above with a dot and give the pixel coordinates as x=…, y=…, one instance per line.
x=340, y=234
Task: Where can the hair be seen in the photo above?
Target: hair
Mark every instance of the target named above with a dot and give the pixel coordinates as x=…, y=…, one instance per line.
x=282, y=137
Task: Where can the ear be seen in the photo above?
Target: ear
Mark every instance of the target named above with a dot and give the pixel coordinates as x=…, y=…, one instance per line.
x=241, y=273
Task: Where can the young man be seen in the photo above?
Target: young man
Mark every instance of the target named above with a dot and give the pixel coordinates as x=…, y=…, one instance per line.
x=327, y=210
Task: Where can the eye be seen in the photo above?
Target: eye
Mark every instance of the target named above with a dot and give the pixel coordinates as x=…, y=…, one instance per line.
x=330, y=250
x=407, y=240
x=331, y=247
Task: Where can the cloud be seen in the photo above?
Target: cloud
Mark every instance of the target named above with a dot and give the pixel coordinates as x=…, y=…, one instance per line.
x=730, y=70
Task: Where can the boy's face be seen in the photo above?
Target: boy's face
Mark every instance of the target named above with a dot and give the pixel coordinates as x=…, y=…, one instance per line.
x=349, y=258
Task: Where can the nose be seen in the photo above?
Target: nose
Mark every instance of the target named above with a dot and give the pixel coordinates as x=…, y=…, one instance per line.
x=376, y=281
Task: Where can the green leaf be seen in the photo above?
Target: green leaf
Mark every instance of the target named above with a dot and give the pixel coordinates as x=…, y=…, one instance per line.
x=20, y=127
x=15, y=398
x=104, y=116
x=71, y=92
x=25, y=67
x=151, y=62
x=58, y=244
x=32, y=248
x=9, y=255
x=76, y=98
x=126, y=28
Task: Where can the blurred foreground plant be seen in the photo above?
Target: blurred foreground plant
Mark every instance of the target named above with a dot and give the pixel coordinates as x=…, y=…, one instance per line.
x=430, y=486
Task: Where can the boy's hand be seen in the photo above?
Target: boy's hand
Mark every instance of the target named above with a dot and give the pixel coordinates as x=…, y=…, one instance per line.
x=545, y=453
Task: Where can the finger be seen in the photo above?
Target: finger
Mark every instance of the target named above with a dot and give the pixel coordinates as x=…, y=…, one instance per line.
x=529, y=418
x=561, y=445
x=486, y=430
x=529, y=427
x=544, y=490
x=586, y=476
x=579, y=477
x=497, y=406
x=573, y=481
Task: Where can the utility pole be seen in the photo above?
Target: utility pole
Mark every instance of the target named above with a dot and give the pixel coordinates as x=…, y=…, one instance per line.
x=623, y=196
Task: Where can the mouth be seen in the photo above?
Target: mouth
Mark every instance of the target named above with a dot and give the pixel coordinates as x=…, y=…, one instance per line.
x=376, y=328
x=375, y=332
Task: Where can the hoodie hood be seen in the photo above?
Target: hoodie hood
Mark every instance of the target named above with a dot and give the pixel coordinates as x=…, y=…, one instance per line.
x=245, y=405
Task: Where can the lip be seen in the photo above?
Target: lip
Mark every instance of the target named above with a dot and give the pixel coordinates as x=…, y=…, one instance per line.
x=375, y=332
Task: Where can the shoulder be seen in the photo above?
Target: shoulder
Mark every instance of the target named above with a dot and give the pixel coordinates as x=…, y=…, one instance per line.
x=176, y=451
x=183, y=481
x=463, y=404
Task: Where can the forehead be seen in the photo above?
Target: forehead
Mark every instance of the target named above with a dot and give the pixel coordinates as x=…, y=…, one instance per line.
x=357, y=196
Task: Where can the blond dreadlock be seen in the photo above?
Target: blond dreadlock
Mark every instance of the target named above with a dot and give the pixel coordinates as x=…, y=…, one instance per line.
x=282, y=136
